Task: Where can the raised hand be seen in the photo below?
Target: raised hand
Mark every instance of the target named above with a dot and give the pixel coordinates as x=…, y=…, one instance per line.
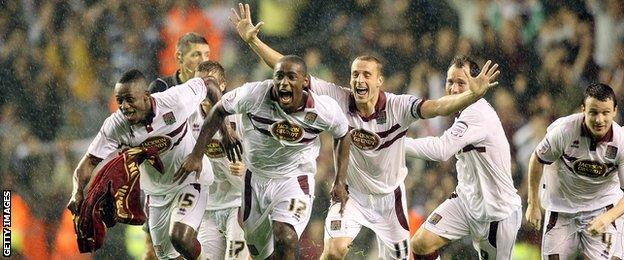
x=485, y=80
x=191, y=164
x=242, y=22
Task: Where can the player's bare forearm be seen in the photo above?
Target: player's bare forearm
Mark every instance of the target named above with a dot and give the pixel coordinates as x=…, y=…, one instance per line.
x=616, y=211
x=535, y=175
x=448, y=105
x=265, y=52
x=82, y=173
x=214, y=95
x=213, y=122
x=342, y=158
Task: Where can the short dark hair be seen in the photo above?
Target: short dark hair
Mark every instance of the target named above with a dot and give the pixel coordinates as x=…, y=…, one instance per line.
x=601, y=92
x=297, y=60
x=372, y=58
x=460, y=61
x=214, y=67
x=184, y=43
x=132, y=75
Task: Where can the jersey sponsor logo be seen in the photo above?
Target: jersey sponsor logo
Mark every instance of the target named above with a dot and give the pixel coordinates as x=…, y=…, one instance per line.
x=365, y=140
x=169, y=118
x=459, y=129
x=611, y=152
x=435, y=218
x=214, y=149
x=286, y=131
x=310, y=117
x=335, y=225
x=589, y=168
x=163, y=143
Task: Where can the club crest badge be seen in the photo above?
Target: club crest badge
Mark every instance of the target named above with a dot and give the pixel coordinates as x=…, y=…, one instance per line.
x=611, y=152
x=310, y=117
x=169, y=118
x=335, y=225
x=381, y=119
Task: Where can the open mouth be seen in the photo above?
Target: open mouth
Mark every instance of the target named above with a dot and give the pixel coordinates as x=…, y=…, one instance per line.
x=285, y=96
x=128, y=115
x=361, y=91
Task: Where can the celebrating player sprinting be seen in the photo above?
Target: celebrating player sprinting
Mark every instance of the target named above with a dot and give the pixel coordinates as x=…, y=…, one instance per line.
x=378, y=122
x=583, y=162
x=281, y=122
x=485, y=204
x=175, y=207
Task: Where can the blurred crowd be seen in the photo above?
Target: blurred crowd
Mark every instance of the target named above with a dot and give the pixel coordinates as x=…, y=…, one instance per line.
x=60, y=59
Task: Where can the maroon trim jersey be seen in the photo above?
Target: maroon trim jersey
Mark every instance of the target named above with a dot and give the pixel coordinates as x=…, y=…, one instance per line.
x=581, y=173
x=377, y=155
x=167, y=129
x=279, y=144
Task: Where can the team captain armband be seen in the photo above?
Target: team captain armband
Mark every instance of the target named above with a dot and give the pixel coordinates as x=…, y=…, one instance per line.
x=416, y=105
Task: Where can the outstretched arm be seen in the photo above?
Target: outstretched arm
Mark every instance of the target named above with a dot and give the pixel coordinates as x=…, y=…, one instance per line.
x=450, y=104
x=467, y=129
x=249, y=33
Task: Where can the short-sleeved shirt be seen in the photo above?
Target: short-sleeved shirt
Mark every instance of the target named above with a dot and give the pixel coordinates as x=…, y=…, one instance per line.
x=377, y=154
x=585, y=174
x=168, y=130
x=226, y=190
x=484, y=181
x=279, y=144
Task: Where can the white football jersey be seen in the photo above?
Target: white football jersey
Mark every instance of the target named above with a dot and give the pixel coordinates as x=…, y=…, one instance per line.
x=484, y=181
x=581, y=174
x=226, y=190
x=278, y=144
x=377, y=155
x=168, y=130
